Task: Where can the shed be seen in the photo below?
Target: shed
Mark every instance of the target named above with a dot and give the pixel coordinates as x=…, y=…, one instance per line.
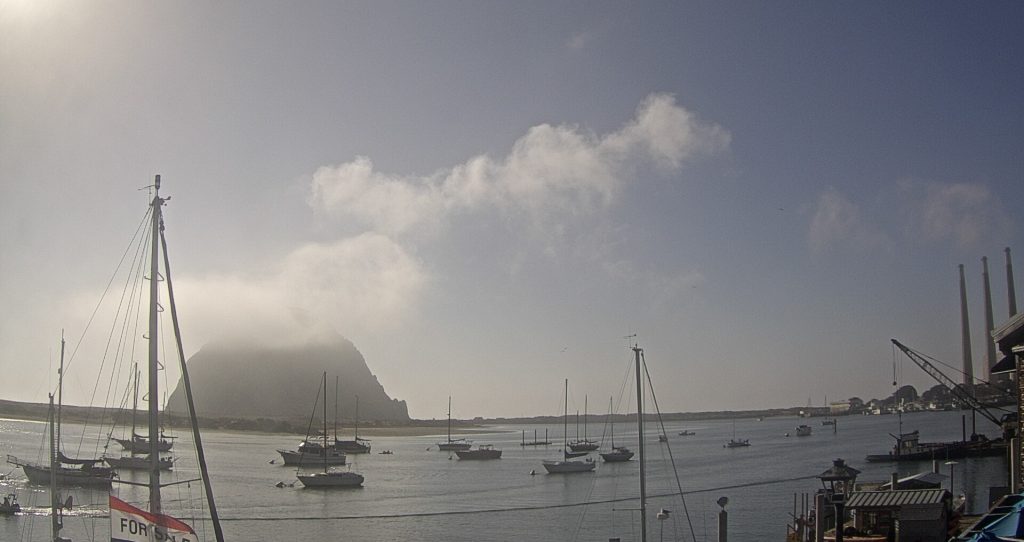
x=913, y=514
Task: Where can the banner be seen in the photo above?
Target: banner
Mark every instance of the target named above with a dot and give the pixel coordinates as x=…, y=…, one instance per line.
x=131, y=524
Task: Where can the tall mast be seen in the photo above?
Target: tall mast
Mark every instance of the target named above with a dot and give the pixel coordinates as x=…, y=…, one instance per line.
x=357, y=419
x=449, y=418
x=565, y=421
x=154, y=393
x=335, y=407
x=325, y=421
x=584, y=417
x=60, y=387
x=54, y=498
x=640, y=428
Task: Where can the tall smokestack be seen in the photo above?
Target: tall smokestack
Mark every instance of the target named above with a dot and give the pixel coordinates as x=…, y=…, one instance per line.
x=965, y=329
x=990, y=345
x=1009, y=285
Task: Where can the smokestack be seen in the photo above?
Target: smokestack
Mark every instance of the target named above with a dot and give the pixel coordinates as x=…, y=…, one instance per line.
x=990, y=345
x=965, y=330
x=1009, y=285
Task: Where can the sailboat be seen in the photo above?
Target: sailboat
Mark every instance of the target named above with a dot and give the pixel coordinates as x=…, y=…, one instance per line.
x=565, y=466
x=311, y=452
x=618, y=454
x=453, y=444
x=134, y=461
x=126, y=519
x=329, y=478
x=584, y=444
x=68, y=471
x=734, y=442
x=356, y=445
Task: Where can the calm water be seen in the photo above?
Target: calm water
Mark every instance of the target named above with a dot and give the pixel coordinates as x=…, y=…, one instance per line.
x=421, y=494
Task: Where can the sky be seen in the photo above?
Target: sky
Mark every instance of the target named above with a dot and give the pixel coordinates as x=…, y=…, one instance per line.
x=487, y=197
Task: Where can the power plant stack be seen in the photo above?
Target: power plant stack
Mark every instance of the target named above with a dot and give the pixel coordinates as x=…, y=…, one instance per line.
x=1010, y=293
x=990, y=345
x=965, y=329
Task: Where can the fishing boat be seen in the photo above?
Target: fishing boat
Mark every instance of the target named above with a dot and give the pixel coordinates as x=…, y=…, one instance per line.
x=483, y=451
x=451, y=444
x=618, y=454
x=68, y=471
x=313, y=453
x=565, y=466
x=329, y=478
x=686, y=433
x=356, y=445
x=803, y=430
x=908, y=447
x=584, y=444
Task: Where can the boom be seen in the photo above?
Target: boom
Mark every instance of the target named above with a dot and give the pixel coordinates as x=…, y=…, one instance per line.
x=960, y=393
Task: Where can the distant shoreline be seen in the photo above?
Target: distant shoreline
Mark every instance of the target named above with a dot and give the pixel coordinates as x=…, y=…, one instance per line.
x=78, y=414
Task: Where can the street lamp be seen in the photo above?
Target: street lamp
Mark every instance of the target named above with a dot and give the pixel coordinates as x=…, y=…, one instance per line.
x=838, y=483
x=951, y=463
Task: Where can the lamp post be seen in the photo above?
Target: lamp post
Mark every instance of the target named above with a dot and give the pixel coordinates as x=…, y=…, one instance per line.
x=838, y=483
x=951, y=463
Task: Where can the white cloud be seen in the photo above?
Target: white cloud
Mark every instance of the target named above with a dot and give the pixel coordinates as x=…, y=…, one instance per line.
x=838, y=222
x=963, y=213
x=349, y=286
x=550, y=171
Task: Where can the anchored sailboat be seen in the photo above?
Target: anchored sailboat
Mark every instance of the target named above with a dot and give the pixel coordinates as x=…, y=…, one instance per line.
x=618, y=454
x=565, y=466
x=329, y=478
x=453, y=444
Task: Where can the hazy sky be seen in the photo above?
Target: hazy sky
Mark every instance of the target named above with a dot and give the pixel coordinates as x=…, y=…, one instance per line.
x=486, y=197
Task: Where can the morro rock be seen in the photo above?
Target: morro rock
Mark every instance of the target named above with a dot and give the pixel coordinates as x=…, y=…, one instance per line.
x=249, y=381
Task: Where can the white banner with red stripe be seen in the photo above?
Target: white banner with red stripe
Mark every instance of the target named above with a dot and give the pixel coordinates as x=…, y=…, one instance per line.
x=131, y=524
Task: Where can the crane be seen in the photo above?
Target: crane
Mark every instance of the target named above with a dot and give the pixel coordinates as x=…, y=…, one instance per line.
x=958, y=391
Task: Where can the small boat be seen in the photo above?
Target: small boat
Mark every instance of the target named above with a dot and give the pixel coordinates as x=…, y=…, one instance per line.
x=329, y=478
x=139, y=444
x=10, y=505
x=452, y=445
x=662, y=438
x=386, y=452
x=619, y=454
x=565, y=466
x=686, y=433
x=803, y=430
x=484, y=451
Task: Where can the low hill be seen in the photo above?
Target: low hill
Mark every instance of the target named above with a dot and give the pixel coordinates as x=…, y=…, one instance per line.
x=247, y=381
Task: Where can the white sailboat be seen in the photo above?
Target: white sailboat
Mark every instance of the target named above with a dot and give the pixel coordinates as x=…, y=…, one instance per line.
x=329, y=478
x=565, y=465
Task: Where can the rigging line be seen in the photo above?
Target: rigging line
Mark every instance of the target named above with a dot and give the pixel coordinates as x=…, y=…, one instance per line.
x=671, y=458
x=973, y=378
x=512, y=509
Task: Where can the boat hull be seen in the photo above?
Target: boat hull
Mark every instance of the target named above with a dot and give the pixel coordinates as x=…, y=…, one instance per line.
x=568, y=467
x=617, y=456
x=479, y=454
x=352, y=446
x=141, y=445
x=583, y=446
x=294, y=458
x=453, y=446
x=331, y=480
x=40, y=476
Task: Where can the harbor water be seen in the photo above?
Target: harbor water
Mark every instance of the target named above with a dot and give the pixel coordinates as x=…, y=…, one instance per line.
x=419, y=493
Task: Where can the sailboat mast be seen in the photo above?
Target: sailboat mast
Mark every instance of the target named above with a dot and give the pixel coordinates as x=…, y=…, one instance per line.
x=640, y=429
x=154, y=393
x=357, y=419
x=60, y=386
x=584, y=417
x=335, y=407
x=449, y=418
x=54, y=498
x=565, y=419
x=325, y=421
